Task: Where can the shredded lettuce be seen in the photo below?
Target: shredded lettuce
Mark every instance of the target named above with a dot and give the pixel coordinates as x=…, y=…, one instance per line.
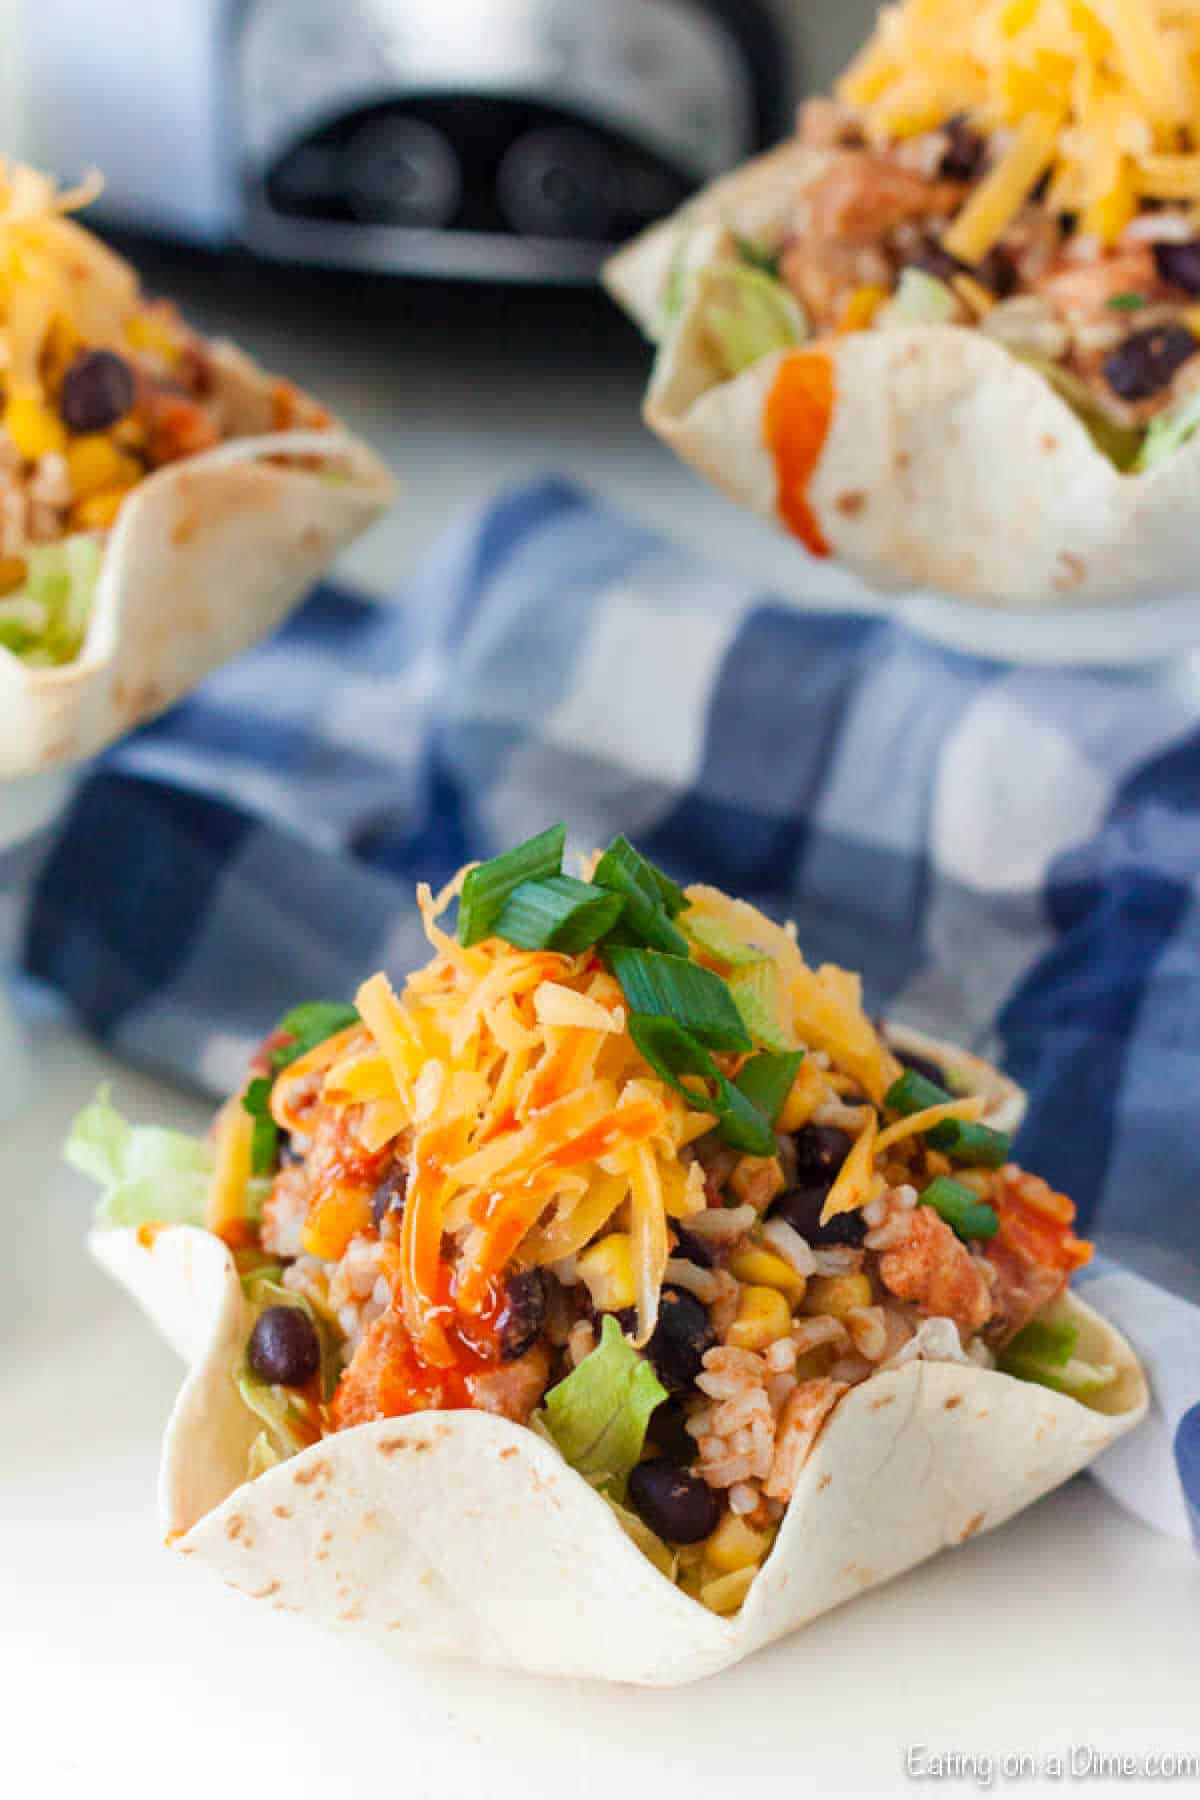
x=920, y=299
x=146, y=1174
x=1122, y=444
x=747, y=314
x=665, y=1560
x=1169, y=432
x=1045, y=1352
x=46, y=620
x=599, y=1415
x=283, y=1414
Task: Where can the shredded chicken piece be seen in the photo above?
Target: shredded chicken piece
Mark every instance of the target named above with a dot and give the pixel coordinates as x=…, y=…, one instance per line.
x=514, y=1389
x=935, y=1271
x=804, y=1413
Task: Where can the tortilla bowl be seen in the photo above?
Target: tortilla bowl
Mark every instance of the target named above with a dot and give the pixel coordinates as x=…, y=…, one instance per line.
x=459, y=1534
x=940, y=463
x=207, y=556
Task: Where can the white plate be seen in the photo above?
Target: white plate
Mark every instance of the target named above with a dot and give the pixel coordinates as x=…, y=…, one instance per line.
x=126, y=1672
x=1094, y=637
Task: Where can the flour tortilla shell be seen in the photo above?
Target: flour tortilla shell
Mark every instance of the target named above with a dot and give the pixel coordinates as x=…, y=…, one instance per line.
x=463, y=1535
x=949, y=466
x=207, y=556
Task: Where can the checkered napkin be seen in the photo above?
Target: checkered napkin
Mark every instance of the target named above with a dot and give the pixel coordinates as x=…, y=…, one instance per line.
x=1012, y=856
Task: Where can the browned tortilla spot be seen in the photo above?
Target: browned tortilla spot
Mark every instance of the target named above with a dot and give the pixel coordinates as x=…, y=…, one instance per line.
x=509, y=1450
x=851, y=503
x=283, y=1512
x=1072, y=570
x=1048, y=442
x=971, y=1527
x=235, y=1526
x=272, y=1587
x=951, y=1401
x=302, y=1477
x=883, y=1400
x=139, y=699
x=824, y=1481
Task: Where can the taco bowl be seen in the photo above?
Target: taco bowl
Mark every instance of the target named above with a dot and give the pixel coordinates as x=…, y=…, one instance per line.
x=568, y=1492
x=953, y=342
x=163, y=501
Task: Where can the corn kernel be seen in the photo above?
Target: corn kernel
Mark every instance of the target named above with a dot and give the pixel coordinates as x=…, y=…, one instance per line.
x=837, y=1294
x=756, y=1180
x=1191, y=318
x=34, y=429
x=148, y=331
x=607, y=1269
x=62, y=345
x=98, y=511
x=726, y=1593
x=860, y=308
x=95, y=464
x=733, y=1545
x=763, y=1315
x=13, y=570
x=765, y=1269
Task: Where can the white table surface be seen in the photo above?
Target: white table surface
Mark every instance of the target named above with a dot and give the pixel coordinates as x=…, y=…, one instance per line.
x=124, y=1671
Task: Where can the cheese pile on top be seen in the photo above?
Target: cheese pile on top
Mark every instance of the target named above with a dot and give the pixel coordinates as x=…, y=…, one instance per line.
x=1103, y=96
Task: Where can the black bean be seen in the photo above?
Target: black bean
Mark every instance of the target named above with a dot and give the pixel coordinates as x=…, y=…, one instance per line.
x=284, y=1346
x=996, y=271
x=801, y=1208
x=679, y=1507
x=921, y=1065
x=1180, y=264
x=1145, y=363
x=523, y=1314
x=692, y=1248
x=679, y=1340
x=97, y=390
x=966, y=150
x=669, y=1433
x=820, y=1152
x=387, y=1202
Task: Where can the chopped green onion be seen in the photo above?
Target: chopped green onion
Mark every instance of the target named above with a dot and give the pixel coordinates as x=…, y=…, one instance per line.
x=487, y=889
x=670, y=895
x=1130, y=302
x=308, y=1025
x=672, y=987
x=965, y=1213
x=673, y=1053
x=559, y=913
x=758, y=996
x=718, y=941
x=264, y=1145
x=1045, y=1352
x=621, y=870
x=1050, y=1342
x=767, y=1080
x=757, y=255
x=912, y=1093
x=975, y=1146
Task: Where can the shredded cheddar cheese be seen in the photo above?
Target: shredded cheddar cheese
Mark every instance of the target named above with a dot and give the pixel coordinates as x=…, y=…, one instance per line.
x=1102, y=94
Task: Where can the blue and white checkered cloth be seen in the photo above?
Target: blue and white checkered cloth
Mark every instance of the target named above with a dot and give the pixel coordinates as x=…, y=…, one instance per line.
x=1011, y=856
